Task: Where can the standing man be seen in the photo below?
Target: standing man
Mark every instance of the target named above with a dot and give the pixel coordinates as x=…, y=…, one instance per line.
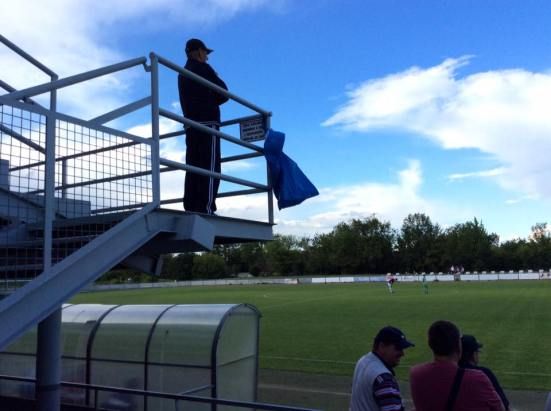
x=374, y=387
x=469, y=359
x=441, y=385
x=425, y=284
x=201, y=104
x=390, y=280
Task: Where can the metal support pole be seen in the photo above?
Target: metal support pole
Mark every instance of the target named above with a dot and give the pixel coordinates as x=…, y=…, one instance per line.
x=48, y=357
x=64, y=178
x=48, y=365
x=155, y=156
x=269, y=179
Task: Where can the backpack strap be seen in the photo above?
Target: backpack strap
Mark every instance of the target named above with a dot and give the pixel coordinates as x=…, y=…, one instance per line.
x=455, y=389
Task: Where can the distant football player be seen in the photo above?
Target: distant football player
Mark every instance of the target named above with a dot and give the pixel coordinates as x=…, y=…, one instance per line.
x=390, y=280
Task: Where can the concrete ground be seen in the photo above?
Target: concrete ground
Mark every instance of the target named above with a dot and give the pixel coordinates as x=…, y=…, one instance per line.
x=332, y=393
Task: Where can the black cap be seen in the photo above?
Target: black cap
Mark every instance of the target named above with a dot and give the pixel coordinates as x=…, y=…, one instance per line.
x=392, y=335
x=196, y=44
x=469, y=344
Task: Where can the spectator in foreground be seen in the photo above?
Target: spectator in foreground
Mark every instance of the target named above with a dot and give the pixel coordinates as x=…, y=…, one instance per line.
x=548, y=403
x=469, y=359
x=441, y=385
x=374, y=387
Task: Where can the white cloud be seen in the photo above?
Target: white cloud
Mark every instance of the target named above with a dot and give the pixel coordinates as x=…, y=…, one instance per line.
x=388, y=202
x=237, y=166
x=518, y=200
x=503, y=113
x=71, y=37
x=476, y=174
x=251, y=207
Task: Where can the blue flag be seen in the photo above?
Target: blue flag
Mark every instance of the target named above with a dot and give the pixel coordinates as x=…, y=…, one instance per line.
x=290, y=185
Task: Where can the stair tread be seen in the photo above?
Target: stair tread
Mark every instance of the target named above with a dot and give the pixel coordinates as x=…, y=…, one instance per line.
x=55, y=241
x=80, y=221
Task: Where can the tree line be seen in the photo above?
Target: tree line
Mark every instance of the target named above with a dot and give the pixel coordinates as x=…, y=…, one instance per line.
x=370, y=246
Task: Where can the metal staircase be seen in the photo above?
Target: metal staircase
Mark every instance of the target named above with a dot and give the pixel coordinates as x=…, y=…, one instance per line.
x=78, y=197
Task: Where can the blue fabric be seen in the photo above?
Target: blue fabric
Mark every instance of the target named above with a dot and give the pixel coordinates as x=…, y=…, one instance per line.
x=290, y=185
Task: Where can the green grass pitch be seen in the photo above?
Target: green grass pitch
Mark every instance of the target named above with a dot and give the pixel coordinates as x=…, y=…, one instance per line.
x=325, y=328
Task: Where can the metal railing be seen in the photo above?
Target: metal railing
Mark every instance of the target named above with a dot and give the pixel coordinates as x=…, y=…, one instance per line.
x=177, y=398
x=256, y=151
x=96, y=125
x=65, y=180
x=62, y=167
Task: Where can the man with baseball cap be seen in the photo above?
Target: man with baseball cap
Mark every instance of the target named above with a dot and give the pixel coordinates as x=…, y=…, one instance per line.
x=469, y=359
x=374, y=387
x=202, y=104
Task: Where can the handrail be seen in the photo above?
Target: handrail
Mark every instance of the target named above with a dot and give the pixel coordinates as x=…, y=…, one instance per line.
x=22, y=139
x=77, y=78
x=14, y=96
x=211, y=85
x=9, y=89
x=239, y=120
x=205, y=129
x=198, y=170
x=165, y=395
x=27, y=56
x=71, y=119
x=121, y=111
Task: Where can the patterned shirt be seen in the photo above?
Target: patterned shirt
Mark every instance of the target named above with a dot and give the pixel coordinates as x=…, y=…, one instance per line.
x=387, y=393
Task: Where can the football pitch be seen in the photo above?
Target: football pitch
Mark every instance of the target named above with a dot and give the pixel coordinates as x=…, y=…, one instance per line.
x=324, y=329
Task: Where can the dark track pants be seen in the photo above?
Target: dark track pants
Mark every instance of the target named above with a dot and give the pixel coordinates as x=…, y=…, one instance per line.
x=203, y=150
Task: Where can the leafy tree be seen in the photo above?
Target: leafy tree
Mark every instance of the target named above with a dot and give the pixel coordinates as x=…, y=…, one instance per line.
x=510, y=255
x=346, y=249
x=469, y=245
x=540, y=242
x=253, y=258
x=376, y=240
x=418, y=244
x=178, y=267
x=231, y=253
x=284, y=256
x=363, y=246
x=120, y=276
x=208, y=265
x=320, y=255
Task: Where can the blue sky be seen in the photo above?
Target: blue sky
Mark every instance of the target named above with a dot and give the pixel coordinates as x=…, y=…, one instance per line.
x=390, y=107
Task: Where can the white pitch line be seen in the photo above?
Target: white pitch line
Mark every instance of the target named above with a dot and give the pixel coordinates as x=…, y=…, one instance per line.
x=296, y=389
x=316, y=360
x=307, y=360
x=295, y=302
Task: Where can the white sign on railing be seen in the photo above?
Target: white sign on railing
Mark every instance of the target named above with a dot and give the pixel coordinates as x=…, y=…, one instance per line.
x=252, y=129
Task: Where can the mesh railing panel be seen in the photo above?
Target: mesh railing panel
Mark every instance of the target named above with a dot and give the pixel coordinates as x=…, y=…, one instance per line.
x=104, y=170
x=21, y=256
x=100, y=176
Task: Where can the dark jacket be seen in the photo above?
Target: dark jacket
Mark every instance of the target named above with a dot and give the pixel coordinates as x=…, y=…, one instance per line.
x=198, y=102
x=492, y=378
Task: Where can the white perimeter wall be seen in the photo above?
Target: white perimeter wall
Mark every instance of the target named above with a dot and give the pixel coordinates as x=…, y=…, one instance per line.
x=331, y=280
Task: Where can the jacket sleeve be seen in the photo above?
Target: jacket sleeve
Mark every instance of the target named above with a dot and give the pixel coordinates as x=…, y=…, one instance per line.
x=493, y=379
x=181, y=92
x=210, y=75
x=482, y=387
x=386, y=393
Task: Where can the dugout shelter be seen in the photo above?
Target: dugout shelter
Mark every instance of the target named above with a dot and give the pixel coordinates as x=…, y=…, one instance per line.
x=208, y=350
